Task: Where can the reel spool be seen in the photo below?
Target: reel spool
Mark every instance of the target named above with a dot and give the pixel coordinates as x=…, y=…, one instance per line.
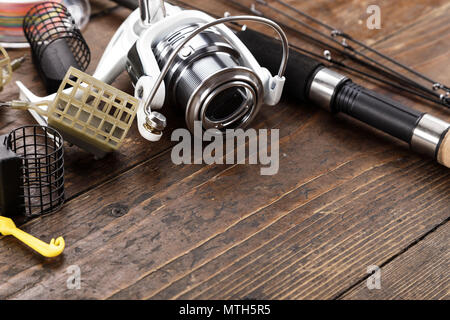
x=5, y=68
x=208, y=81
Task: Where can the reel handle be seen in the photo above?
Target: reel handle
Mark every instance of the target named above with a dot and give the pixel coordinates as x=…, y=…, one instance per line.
x=151, y=11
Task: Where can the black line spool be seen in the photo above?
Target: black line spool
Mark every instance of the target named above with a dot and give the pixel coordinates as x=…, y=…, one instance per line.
x=56, y=42
x=31, y=172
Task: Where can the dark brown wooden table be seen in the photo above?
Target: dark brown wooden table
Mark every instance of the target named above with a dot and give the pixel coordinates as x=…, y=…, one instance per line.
x=346, y=197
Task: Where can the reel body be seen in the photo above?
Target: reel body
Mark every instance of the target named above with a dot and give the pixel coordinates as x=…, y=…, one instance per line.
x=208, y=81
x=212, y=78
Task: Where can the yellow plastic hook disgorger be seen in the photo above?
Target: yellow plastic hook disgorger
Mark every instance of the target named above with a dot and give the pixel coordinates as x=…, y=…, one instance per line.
x=54, y=249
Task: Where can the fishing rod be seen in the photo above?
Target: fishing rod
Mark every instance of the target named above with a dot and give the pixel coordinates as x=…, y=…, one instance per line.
x=328, y=57
x=310, y=80
x=348, y=38
x=345, y=49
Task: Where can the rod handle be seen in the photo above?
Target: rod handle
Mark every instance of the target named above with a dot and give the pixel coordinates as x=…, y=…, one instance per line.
x=444, y=151
x=376, y=110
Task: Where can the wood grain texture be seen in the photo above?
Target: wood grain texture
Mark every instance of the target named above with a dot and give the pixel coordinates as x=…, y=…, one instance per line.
x=345, y=197
x=444, y=151
x=303, y=246
x=348, y=15
x=425, y=266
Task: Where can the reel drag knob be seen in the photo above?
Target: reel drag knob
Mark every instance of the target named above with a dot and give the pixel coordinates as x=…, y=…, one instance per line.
x=156, y=123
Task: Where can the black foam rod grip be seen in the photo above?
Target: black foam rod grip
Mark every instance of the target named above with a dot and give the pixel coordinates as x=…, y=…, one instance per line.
x=377, y=111
x=268, y=51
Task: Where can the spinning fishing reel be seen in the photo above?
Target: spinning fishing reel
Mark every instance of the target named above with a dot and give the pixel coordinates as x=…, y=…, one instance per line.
x=207, y=71
x=185, y=58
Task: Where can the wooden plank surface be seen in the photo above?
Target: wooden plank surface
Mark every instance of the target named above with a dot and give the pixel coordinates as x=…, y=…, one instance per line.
x=425, y=266
x=345, y=198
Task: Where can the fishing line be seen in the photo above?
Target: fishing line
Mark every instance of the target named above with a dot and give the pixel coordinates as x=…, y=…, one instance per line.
x=335, y=62
x=349, y=37
x=399, y=78
x=444, y=98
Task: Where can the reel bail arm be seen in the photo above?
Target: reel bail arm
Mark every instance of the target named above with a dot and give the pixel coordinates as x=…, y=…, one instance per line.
x=275, y=85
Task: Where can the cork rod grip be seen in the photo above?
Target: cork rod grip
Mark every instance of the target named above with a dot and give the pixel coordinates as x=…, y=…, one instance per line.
x=444, y=151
